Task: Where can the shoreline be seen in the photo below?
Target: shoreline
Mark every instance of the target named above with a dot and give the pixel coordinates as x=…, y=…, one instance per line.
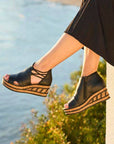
x=67, y=2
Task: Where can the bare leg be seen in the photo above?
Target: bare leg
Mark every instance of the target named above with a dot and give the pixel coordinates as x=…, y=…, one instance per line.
x=64, y=48
x=90, y=63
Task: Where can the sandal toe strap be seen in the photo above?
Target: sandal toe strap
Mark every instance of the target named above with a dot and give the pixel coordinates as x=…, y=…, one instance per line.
x=23, y=78
x=72, y=103
x=12, y=78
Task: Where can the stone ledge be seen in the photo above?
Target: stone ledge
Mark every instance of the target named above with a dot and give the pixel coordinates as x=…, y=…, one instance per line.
x=110, y=106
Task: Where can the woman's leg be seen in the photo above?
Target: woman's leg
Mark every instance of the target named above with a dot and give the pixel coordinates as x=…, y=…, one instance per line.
x=90, y=64
x=64, y=48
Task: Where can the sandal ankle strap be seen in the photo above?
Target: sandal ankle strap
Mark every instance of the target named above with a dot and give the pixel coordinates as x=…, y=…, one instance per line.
x=38, y=73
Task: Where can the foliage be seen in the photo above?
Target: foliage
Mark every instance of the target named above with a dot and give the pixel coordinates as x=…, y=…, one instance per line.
x=57, y=128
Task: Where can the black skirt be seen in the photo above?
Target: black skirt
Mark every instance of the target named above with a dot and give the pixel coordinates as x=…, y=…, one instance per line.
x=93, y=26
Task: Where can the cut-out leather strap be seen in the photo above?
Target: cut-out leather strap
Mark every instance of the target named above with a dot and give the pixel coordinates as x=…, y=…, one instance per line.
x=38, y=73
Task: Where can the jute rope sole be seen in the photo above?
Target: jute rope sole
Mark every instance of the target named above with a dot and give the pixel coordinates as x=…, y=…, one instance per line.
x=38, y=90
x=100, y=96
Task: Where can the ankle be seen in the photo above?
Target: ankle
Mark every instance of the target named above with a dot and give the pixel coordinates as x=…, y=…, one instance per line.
x=40, y=67
x=88, y=73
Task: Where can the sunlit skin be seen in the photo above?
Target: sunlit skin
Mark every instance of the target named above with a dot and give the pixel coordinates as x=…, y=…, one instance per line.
x=64, y=48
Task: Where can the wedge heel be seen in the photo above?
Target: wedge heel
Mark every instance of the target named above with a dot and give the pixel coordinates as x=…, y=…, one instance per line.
x=24, y=80
x=98, y=97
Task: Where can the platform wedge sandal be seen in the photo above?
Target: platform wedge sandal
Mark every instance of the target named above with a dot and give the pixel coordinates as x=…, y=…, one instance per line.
x=24, y=80
x=90, y=91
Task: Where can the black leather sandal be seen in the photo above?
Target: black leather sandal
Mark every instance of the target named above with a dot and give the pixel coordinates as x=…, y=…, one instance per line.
x=90, y=91
x=24, y=80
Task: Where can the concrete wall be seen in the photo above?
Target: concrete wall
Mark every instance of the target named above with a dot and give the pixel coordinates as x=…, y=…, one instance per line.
x=110, y=106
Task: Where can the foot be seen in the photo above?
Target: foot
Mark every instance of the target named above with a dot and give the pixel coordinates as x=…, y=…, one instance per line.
x=66, y=106
x=34, y=79
x=31, y=81
x=88, y=86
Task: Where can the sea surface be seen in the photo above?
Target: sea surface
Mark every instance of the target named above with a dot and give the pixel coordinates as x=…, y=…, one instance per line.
x=29, y=29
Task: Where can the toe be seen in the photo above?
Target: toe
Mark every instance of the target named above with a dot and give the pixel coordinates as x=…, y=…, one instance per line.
x=16, y=83
x=6, y=77
x=66, y=106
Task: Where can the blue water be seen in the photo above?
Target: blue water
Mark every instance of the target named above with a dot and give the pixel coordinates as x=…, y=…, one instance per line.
x=28, y=29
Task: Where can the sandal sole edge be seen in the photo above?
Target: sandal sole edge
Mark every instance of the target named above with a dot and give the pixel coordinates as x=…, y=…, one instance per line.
x=87, y=104
x=24, y=89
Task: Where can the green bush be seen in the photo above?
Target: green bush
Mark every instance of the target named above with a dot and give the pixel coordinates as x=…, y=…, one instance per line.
x=87, y=127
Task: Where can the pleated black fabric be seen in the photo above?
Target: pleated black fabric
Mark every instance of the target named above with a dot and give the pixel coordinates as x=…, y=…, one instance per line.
x=93, y=26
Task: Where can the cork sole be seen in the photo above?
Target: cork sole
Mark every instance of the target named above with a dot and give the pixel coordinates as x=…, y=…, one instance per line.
x=100, y=96
x=38, y=90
